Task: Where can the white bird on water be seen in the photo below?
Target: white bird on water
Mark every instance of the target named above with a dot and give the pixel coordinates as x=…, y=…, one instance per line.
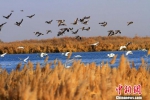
x=66, y=54
x=129, y=52
x=111, y=55
x=25, y=60
x=95, y=44
x=43, y=54
x=2, y=55
x=122, y=47
x=77, y=56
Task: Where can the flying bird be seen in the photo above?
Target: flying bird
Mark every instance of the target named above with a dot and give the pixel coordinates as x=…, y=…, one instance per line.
x=95, y=44
x=128, y=23
x=49, y=22
x=3, y=24
x=82, y=28
x=122, y=47
x=85, y=22
x=21, y=10
x=65, y=29
x=2, y=55
x=7, y=17
x=78, y=37
x=25, y=60
x=75, y=31
x=87, y=29
x=49, y=31
x=110, y=33
x=117, y=31
x=75, y=22
x=71, y=28
x=87, y=17
x=103, y=24
x=19, y=23
x=129, y=52
x=31, y=16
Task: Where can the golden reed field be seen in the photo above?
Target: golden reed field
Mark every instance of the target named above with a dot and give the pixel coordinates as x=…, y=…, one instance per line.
x=79, y=82
x=65, y=44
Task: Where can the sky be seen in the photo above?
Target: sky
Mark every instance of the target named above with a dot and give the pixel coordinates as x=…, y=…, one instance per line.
x=115, y=12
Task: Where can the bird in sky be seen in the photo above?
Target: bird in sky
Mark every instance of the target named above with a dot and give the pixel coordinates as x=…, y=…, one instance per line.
x=75, y=32
x=103, y=23
x=110, y=33
x=85, y=22
x=82, y=28
x=31, y=16
x=117, y=31
x=128, y=23
x=3, y=24
x=87, y=17
x=87, y=29
x=75, y=22
x=7, y=17
x=49, y=31
x=19, y=23
x=49, y=22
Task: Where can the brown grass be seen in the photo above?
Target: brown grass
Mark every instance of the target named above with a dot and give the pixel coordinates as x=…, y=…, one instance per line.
x=79, y=82
x=71, y=44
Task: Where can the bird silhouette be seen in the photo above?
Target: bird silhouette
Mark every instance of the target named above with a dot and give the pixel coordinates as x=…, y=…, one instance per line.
x=49, y=31
x=19, y=23
x=7, y=17
x=75, y=22
x=3, y=24
x=49, y=22
x=75, y=31
x=87, y=17
x=82, y=28
x=21, y=10
x=31, y=16
x=128, y=23
x=103, y=24
x=78, y=37
x=87, y=29
x=117, y=31
x=110, y=33
x=85, y=22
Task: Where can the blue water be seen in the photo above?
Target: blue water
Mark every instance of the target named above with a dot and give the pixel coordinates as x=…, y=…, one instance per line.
x=9, y=61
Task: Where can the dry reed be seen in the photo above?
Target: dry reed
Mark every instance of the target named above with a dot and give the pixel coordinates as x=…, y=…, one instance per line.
x=79, y=82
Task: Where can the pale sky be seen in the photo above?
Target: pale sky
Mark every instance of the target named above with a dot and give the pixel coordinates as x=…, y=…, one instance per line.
x=115, y=12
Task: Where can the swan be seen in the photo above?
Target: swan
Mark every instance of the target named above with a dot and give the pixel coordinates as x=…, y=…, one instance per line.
x=43, y=54
x=25, y=60
x=129, y=52
x=122, y=47
x=77, y=56
x=66, y=54
x=95, y=44
x=2, y=55
x=111, y=55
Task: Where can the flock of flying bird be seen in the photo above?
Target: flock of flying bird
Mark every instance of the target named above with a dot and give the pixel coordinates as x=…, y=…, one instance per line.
x=62, y=31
